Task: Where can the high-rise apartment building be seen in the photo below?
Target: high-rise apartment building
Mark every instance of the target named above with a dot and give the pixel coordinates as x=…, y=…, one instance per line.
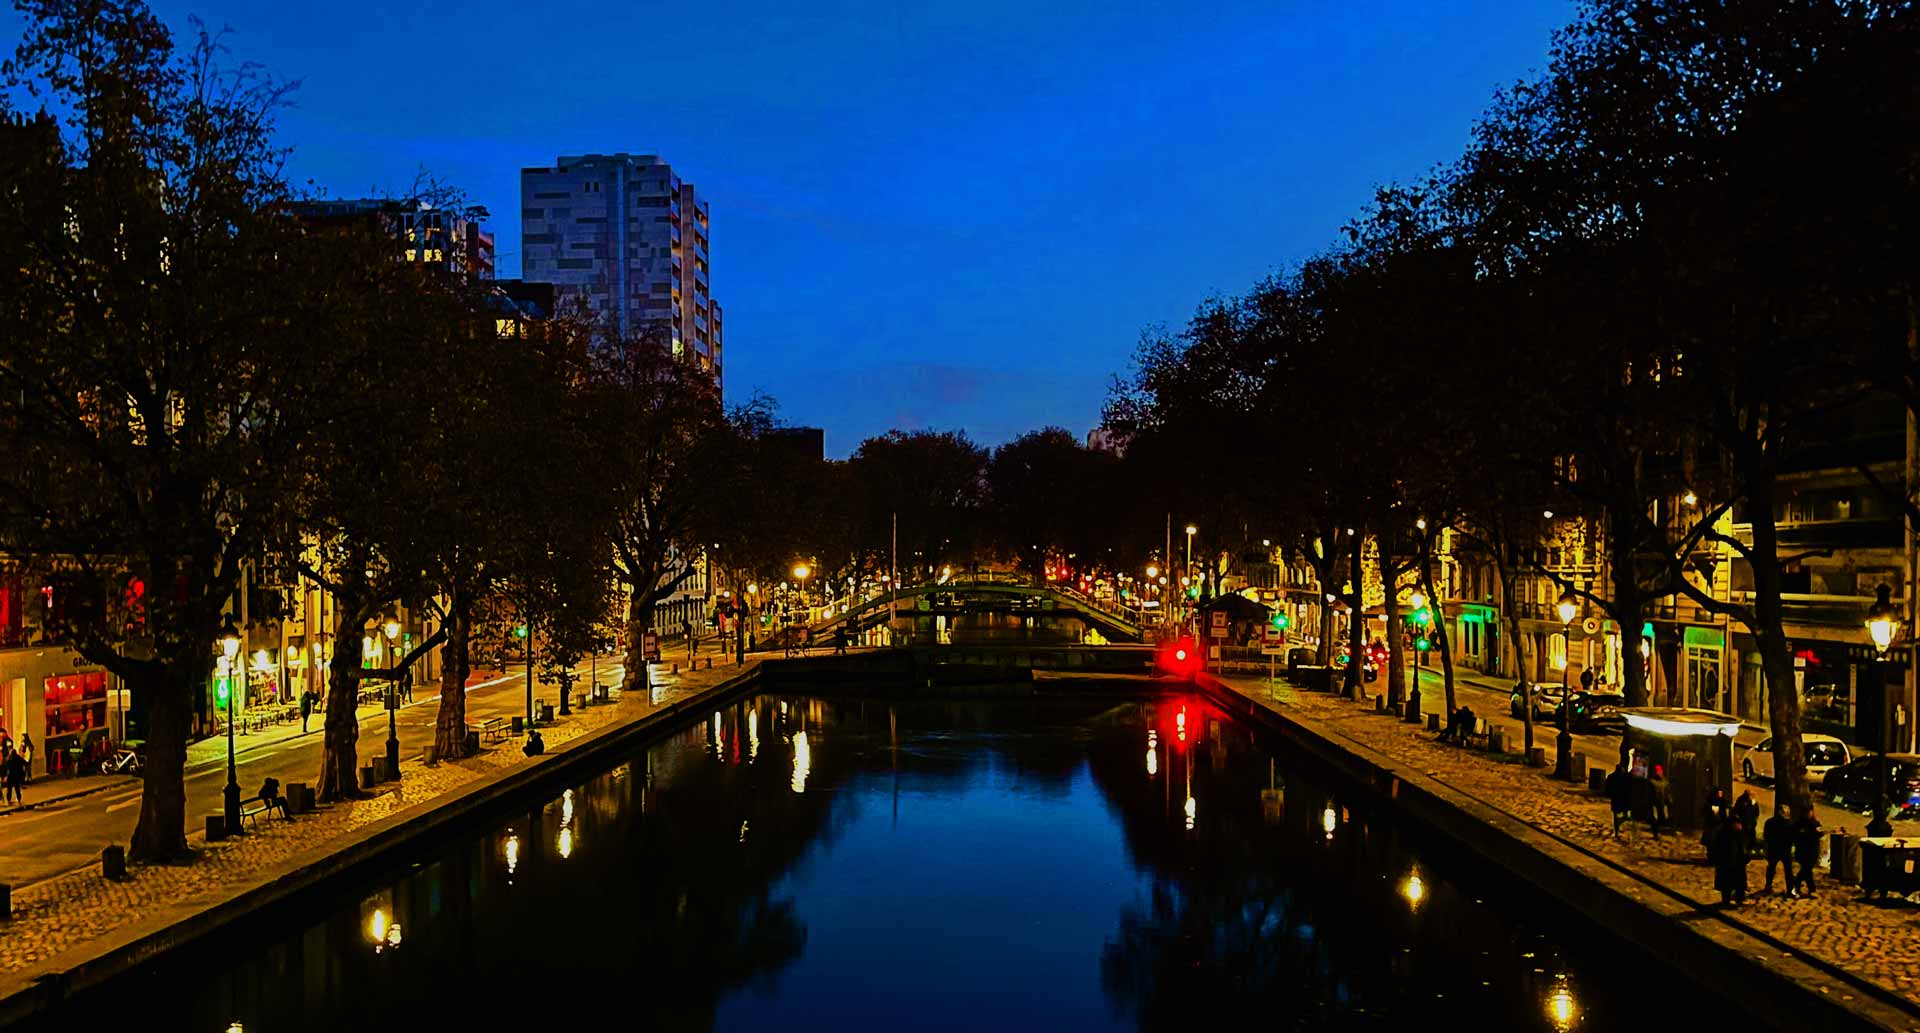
x=454, y=240
x=626, y=235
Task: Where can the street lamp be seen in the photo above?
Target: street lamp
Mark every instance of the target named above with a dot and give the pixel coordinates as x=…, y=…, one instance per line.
x=1569, y=608
x=800, y=572
x=1883, y=623
x=393, y=700
x=1191, y=531
x=230, y=648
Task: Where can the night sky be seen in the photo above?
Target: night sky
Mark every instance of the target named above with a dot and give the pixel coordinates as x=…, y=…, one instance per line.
x=940, y=214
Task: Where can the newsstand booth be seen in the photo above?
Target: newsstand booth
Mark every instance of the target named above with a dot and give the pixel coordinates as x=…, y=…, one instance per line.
x=1695, y=747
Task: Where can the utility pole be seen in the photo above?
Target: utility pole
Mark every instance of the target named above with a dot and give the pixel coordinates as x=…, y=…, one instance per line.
x=893, y=580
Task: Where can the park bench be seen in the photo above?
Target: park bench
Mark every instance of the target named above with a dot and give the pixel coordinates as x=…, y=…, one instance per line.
x=491, y=729
x=268, y=800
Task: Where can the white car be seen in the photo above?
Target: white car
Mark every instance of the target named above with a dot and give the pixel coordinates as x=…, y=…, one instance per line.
x=1823, y=752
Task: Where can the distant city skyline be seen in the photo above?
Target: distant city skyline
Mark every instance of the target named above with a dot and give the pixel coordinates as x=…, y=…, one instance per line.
x=959, y=216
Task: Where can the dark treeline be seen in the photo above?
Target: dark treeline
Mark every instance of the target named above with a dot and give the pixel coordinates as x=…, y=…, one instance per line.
x=1658, y=268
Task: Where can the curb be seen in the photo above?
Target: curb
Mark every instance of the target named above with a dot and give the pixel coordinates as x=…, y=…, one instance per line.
x=1732, y=960
x=85, y=966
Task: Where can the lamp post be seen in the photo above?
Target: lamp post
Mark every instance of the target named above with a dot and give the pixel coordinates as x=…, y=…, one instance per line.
x=800, y=572
x=1883, y=623
x=393, y=701
x=1569, y=608
x=230, y=648
x=1191, y=531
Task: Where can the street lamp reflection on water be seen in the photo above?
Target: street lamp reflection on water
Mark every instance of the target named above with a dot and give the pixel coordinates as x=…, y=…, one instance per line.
x=1329, y=821
x=1414, y=889
x=513, y=855
x=802, y=761
x=1561, y=1008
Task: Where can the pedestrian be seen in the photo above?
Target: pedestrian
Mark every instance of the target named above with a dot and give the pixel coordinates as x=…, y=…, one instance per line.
x=306, y=709
x=1806, y=852
x=1586, y=680
x=1746, y=811
x=686, y=632
x=1728, y=853
x=1778, y=837
x=1661, y=798
x=14, y=771
x=26, y=753
x=840, y=642
x=406, y=685
x=1713, y=817
x=1619, y=787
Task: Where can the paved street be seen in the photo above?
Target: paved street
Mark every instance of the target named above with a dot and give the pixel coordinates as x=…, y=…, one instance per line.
x=46, y=840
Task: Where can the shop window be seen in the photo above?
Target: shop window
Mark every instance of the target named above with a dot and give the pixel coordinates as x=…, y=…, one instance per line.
x=1556, y=651
x=76, y=715
x=12, y=613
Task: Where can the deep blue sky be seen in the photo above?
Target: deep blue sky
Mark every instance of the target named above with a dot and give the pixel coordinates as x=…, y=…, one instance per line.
x=935, y=214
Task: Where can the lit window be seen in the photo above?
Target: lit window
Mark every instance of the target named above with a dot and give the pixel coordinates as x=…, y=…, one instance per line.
x=413, y=255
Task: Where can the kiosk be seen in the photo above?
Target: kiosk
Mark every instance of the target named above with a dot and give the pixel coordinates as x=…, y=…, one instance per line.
x=1694, y=746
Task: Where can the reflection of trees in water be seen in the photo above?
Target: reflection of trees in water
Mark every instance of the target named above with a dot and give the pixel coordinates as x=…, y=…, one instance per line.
x=1256, y=907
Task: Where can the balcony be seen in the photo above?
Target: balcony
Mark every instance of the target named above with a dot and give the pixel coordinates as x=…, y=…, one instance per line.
x=1848, y=612
x=1874, y=533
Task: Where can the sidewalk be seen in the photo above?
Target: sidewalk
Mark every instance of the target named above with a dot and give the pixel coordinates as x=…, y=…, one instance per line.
x=212, y=751
x=1879, y=942
x=65, y=913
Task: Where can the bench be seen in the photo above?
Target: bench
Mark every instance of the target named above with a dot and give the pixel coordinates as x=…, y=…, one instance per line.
x=491, y=729
x=264, y=804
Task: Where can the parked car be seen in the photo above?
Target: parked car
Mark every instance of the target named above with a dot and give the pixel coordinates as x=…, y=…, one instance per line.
x=1823, y=752
x=1546, y=700
x=1856, y=784
x=1595, y=712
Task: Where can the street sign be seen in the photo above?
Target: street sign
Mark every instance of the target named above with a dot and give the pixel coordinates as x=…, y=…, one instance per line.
x=1273, y=641
x=1219, y=624
x=650, y=647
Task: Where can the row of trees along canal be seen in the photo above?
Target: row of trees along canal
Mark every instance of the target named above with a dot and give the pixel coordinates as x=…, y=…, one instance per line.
x=194, y=380
x=1660, y=266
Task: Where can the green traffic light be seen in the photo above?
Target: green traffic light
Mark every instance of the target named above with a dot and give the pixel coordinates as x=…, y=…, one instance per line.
x=220, y=691
x=1422, y=644
x=1422, y=616
x=1282, y=622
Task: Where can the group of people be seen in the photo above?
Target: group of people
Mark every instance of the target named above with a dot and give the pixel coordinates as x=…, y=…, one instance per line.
x=1732, y=834
x=1638, y=791
x=16, y=766
x=1731, y=831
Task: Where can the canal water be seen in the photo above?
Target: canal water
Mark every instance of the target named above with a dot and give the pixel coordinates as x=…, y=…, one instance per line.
x=807, y=863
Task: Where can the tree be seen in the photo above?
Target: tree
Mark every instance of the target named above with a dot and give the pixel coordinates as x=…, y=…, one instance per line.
x=168, y=354
x=661, y=443
x=934, y=484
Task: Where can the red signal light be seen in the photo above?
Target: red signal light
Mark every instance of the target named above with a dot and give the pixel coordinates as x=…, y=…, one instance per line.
x=1180, y=655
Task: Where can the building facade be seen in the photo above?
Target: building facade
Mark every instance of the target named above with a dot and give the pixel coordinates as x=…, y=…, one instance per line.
x=626, y=236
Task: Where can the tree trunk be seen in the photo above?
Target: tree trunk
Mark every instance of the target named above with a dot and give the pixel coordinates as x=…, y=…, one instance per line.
x=1783, y=702
x=1625, y=607
x=160, y=834
x=1323, y=568
x=639, y=622
x=1433, y=601
x=339, y=777
x=1356, y=684
x=450, y=725
x=1505, y=573
x=1396, y=653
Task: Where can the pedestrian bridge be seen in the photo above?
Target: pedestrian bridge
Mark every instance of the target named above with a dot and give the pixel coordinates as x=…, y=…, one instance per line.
x=997, y=596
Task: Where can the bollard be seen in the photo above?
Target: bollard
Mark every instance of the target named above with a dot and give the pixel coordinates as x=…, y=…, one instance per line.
x=1412, y=712
x=1596, y=778
x=1496, y=741
x=1537, y=757
x=297, y=800
x=519, y=725
x=473, y=743
x=676, y=667
x=1379, y=704
x=6, y=902
x=367, y=776
x=216, y=827
x=431, y=754
x=113, y=862
x=1579, y=772
x=546, y=713
x=1433, y=722
x=1844, y=860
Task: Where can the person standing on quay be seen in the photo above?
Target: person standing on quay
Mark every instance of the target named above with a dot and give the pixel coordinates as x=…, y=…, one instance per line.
x=1728, y=852
x=1778, y=837
x=1619, y=786
x=1662, y=799
x=1806, y=851
x=1746, y=811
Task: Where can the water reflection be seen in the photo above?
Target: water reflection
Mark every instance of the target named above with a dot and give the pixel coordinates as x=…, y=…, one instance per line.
x=926, y=865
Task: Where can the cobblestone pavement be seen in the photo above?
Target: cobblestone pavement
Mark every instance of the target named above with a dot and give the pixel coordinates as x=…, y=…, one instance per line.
x=55, y=915
x=1880, y=942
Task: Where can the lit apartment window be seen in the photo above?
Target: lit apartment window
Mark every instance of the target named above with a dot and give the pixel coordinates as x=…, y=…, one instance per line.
x=413, y=255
